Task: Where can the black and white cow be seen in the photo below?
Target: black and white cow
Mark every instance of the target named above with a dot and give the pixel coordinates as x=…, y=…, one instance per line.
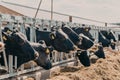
x=103, y=40
x=16, y=44
x=87, y=42
x=79, y=39
x=58, y=39
x=83, y=57
x=85, y=31
x=44, y=52
x=110, y=35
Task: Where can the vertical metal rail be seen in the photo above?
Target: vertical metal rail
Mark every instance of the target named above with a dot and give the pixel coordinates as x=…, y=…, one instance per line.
x=10, y=64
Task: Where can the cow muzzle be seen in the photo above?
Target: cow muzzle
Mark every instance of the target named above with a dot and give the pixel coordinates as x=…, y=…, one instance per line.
x=75, y=48
x=36, y=55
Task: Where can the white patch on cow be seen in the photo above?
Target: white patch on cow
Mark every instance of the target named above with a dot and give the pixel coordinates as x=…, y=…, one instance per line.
x=63, y=33
x=113, y=34
x=82, y=35
x=88, y=53
x=103, y=36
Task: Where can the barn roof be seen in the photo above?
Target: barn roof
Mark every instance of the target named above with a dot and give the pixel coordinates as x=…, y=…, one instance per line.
x=6, y=10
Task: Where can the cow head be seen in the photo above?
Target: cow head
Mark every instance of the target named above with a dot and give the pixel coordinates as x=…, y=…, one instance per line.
x=85, y=31
x=72, y=35
x=83, y=57
x=111, y=36
x=102, y=39
x=61, y=41
x=16, y=44
x=100, y=52
x=44, y=52
x=86, y=43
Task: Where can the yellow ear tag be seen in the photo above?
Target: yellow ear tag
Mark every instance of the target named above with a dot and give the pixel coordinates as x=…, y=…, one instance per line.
x=47, y=51
x=86, y=29
x=4, y=38
x=8, y=31
x=53, y=37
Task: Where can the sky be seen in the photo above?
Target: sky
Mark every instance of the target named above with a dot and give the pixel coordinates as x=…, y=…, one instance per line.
x=101, y=10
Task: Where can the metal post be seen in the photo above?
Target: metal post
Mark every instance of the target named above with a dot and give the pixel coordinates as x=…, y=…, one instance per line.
x=10, y=64
x=15, y=62
x=105, y=24
x=70, y=18
x=51, y=10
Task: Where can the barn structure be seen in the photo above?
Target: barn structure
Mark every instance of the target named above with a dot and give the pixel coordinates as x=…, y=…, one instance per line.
x=5, y=10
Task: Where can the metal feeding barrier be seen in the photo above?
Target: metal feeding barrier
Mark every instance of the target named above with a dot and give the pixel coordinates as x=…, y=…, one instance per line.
x=21, y=22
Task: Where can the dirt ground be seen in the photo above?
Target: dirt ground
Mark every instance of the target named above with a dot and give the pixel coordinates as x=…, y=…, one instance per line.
x=102, y=69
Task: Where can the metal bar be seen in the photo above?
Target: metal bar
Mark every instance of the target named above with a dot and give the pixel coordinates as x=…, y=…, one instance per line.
x=10, y=64
x=15, y=62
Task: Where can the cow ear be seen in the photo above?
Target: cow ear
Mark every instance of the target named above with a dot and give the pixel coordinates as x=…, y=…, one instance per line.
x=52, y=36
x=7, y=30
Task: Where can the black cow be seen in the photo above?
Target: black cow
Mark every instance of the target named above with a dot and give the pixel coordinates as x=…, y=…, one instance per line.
x=102, y=39
x=16, y=44
x=84, y=30
x=80, y=42
x=86, y=42
x=58, y=39
x=84, y=39
x=110, y=36
x=72, y=35
x=43, y=51
x=100, y=52
x=83, y=57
